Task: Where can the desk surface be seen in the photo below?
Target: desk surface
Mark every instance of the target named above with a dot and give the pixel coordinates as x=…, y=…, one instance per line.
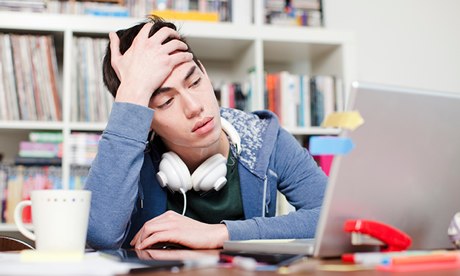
x=234, y=271
x=220, y=272
x=323, y=264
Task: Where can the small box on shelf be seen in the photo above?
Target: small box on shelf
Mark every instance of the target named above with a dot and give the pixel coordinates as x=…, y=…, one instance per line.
x=294, y=13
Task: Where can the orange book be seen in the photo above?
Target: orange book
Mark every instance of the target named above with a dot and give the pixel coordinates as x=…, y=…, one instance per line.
x=277, y=95
x=270, y=93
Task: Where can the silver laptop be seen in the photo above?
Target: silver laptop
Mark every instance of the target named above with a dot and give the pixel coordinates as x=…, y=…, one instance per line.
x=403, y=171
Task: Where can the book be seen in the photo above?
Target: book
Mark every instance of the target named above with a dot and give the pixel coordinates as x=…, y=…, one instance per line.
x=23, y=5
x=290, y=96
x=107, y=10
x=324, y=162
x=12, y=107
x=52, y=74
x=37, y=161
x=83, y=148
x=37, y=149
x=3, y=190
x=306, y=4
x=322, y=94
x=46, y=136
x=13, y=193
x=282, y=246
x=304, y=117
x=29, y=89
x=92, y=101
x=187, y=15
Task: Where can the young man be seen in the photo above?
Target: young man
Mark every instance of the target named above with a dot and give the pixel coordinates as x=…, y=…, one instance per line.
x=160, y=87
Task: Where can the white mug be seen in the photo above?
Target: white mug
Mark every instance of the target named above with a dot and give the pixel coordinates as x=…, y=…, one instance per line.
x=59, y=219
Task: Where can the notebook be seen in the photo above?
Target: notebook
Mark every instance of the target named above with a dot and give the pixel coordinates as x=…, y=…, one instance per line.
x=403, y=171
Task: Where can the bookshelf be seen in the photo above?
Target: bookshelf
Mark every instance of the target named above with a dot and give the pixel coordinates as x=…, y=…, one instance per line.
x=226, y=51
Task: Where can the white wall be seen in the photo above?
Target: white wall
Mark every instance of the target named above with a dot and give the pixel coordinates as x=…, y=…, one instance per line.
x=413, y=43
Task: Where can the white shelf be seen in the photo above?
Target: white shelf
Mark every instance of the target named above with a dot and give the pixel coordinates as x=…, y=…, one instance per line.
x=227, y=50
x=87, y=126
x=313, y=131
x=31, y=125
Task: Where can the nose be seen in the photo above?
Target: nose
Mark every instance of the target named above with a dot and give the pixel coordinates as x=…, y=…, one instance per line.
x=192, y=104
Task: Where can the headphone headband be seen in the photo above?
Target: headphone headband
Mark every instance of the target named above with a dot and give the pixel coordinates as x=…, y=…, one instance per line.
x=230, y=130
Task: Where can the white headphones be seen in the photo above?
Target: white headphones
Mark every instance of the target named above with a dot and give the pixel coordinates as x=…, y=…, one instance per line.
x=174, y=174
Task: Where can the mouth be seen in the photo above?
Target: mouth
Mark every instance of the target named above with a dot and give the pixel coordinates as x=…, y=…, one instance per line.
x=201, y=123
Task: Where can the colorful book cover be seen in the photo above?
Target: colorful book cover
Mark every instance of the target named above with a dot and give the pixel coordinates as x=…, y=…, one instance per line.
x=324, y=162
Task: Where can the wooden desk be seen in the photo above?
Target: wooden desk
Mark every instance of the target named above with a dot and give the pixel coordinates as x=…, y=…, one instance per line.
x=235, y=272
x=215, y=271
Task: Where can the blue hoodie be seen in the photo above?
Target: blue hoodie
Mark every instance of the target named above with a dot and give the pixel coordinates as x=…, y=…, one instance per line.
x=126, y=193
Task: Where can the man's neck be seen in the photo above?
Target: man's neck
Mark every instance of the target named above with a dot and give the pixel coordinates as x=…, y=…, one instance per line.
x=193, y=158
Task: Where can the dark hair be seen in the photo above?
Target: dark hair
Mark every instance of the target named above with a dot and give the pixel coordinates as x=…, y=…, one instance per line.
x=127, y=36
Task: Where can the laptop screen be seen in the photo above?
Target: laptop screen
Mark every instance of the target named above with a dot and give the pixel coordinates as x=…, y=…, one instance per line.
x=404, y=170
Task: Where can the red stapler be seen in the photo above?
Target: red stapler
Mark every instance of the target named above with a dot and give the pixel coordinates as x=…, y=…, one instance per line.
x=369, y=232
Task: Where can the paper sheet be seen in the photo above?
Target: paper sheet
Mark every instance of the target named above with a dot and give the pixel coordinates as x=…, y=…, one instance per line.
x=92, y=264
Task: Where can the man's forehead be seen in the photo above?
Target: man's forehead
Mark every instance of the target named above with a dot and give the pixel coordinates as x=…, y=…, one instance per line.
x=184, y=70
x=178, y=75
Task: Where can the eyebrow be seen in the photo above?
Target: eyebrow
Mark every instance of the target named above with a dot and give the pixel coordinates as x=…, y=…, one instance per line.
x=165, y=89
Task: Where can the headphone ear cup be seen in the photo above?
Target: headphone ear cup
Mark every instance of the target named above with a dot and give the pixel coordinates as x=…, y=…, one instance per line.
x=173, y=173
x=211, y=174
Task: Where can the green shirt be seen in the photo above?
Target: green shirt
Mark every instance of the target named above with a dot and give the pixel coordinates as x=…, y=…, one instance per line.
x=212, y=206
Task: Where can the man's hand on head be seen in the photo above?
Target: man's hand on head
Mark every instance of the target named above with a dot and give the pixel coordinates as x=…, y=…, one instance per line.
x=147, y=63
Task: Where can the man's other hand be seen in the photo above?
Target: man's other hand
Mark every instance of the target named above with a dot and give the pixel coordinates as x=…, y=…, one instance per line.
x=175, y=228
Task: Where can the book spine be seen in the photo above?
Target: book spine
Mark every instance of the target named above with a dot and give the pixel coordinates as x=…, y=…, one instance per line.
x=3, y=82
x=306, y=102
x=28, y=77
x=37, y=161
x=10, y=83
x=18, y=73
x=50, y=73
x=51, y=137
x=26, y=145
x=36, y=72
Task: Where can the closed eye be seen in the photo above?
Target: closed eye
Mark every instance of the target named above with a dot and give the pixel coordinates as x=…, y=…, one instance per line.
x=195, y=83
x=167, y=103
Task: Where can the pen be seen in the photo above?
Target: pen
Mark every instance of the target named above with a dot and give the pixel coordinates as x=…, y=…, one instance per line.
x=419, y=267
x=245, y=263
x=418, y=259
x=375, y=258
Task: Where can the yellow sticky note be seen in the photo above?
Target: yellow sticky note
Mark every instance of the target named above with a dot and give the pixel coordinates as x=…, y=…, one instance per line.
x=50, y=256
x=344, y=267
x=349, y=120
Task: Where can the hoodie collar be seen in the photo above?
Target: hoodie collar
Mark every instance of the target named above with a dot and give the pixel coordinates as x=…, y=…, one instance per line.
x=258, y=132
